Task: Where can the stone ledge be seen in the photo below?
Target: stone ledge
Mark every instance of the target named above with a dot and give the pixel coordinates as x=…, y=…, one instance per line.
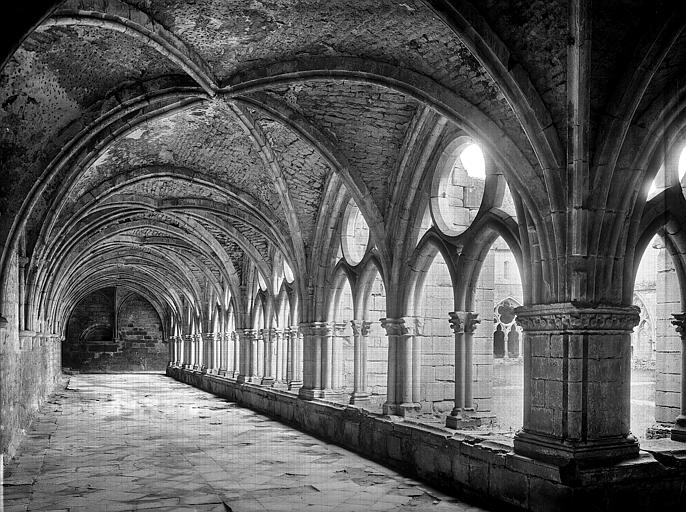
x=481, y=467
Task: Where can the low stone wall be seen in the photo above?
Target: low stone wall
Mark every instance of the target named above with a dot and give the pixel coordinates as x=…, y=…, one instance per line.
x=468, y=465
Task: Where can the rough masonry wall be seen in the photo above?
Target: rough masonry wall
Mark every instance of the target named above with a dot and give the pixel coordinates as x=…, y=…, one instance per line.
x=29, y=368
x=437, y=380
x=135, y=343
x=482, y=348
x=668, y=343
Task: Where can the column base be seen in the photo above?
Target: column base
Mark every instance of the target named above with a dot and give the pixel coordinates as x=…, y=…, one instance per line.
x=359, y=398
x=309, y=393
x=556, y=451
x=295, y=384
x=403, y=409
x=462, y=418
x=333, y=394
x=247, y=379
x=267, y=381
x=279, y=384
x=679, y=429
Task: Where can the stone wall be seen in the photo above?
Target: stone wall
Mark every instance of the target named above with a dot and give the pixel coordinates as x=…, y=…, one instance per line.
x=114, y=330
x=29, y=368
x=668, y=343
x=437, y=380
x=461, y=463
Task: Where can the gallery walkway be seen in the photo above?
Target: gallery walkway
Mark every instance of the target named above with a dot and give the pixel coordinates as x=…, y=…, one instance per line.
x=144, y=441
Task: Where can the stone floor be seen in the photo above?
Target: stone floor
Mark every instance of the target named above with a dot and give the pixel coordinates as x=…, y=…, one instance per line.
x=144, y=441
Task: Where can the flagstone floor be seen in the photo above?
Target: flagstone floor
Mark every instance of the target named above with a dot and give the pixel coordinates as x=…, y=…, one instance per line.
x=144, y=441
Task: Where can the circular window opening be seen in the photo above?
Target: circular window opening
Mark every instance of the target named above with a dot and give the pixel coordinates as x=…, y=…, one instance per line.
x=355, y=236
x=458, y=186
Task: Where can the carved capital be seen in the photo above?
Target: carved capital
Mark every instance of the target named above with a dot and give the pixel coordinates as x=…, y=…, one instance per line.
x=680, y=323
x=405, y=326
x=360, y=327
x=568, y=317
x=316, y=329
x=463, y=321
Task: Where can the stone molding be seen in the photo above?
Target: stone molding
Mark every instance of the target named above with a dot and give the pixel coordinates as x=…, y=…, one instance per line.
x=463, y=321
x=568, y=317
x=360, y=327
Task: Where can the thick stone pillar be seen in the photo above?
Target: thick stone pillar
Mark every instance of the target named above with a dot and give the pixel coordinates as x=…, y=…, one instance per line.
x=188, y=351
x=401, y=334
x=208, y=341
x=679, y=428
x=295, y=358
x=577, y=383
x=269, y=339
x=248, y=355
x=360, y=336
x=464, y=324
x=313, y=377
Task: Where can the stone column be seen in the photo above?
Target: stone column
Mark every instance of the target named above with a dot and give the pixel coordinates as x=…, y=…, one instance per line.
x=325, y=331
x=258, y=353
x=197, y=352
x=577, y=383
x=208, y=340
x=401, y=338
x=279, y=358
x=337, y=335
x=187, y=351
x=360, y=336
x=224, y=354
x=269, y=373
x=248, y=355
x=295, y=358
x=463, y=324
x=236, y=367
x=313, y=374
x=679, y=428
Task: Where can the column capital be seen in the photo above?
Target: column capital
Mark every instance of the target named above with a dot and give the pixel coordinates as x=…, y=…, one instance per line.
x=567, y=316
x=403, y=326
x=360, y=327
x=316, y=328
x=680, y=323
x=463, y=321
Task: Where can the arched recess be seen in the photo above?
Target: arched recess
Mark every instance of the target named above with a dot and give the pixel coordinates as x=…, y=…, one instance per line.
x=431, y=290
x=371, y=302
x=341, y=313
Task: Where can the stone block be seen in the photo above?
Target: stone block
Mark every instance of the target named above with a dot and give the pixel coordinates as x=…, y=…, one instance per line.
x=508, y=485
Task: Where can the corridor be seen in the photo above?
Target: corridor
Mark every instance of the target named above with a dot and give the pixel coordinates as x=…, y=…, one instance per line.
x=139, y=441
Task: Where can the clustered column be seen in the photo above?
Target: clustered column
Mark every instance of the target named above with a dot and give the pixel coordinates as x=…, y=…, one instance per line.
x=315, y=335
x=464, y=324
x=360, y=336
x=577, y=383
x=403, y=372
x=679, y=429
x=295, y=360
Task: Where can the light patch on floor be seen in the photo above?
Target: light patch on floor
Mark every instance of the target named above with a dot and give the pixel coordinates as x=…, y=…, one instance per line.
x=144, y=441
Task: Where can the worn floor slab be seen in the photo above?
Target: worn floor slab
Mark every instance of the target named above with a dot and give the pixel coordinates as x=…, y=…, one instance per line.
x=145, y=441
